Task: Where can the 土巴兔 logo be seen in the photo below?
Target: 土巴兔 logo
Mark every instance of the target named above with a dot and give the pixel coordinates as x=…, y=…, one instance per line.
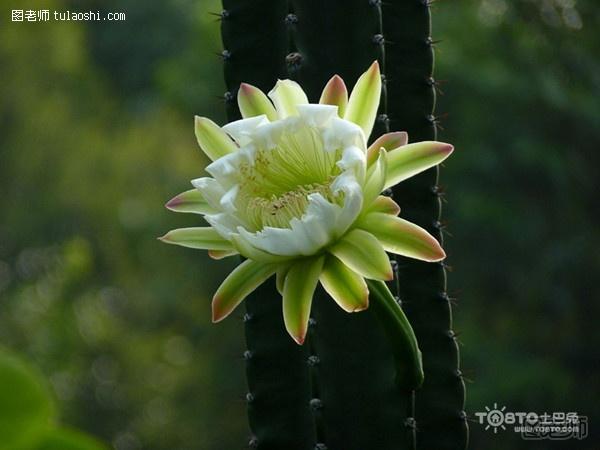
x=494, y=417
x=534, y=426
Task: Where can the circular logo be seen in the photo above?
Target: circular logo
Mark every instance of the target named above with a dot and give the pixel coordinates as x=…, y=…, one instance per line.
x=495, y=418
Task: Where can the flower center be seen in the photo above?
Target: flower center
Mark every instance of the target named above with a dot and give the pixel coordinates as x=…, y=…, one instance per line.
x=275, y=186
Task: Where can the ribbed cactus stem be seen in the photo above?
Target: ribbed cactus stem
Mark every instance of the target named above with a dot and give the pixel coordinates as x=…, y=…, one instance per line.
x=347, y=388
x=382, y=126
x=439, y=410
x=256, y=43
x=362, y=406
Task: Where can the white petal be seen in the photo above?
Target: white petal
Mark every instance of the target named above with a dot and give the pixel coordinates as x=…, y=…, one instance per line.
x=343, y=133
x=305, y=236
x=325, y=211
x=317, y=226
x=241, y=130
x=279, y=241
x=226, y=169
x=353, y=200
x=228, y=200
x=317, y=115
x=211, y=190
x=311, y=233
x=267, y=135
x=354, y=160
x=223, y=223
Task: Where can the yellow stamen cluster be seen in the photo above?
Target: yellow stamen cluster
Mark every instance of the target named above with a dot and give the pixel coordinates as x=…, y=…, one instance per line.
x=275, y=186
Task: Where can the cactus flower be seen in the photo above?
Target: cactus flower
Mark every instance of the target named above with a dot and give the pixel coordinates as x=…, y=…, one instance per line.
x=295, y=190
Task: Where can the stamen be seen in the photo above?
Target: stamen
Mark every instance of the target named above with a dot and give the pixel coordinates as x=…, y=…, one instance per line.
x=278, y=211
x=275, y=188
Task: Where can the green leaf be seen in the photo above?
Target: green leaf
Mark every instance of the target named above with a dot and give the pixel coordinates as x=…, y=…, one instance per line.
x=409, y=364
x=335, y=93
x=242, y=281
x=191, y=201
x=212, y=139
x=253, y=102
x=402, y=237
x=363, y=253
x=67, y=439
x=298, y=289
x=203, y=238
x=345, y=286
x=364, y=100
x=411, y=159
x=26, y=408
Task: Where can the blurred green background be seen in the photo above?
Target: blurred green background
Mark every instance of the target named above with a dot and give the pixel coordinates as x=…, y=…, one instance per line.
x=96, y=134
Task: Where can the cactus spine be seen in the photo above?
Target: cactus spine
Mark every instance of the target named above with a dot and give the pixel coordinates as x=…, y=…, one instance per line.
x=339, y=391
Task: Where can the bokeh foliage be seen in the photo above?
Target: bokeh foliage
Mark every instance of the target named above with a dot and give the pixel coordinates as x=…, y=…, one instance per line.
x=96, y=134
x=28, y=414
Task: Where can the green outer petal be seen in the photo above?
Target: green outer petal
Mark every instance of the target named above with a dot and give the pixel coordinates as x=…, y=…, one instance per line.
x=191, y=201
x=212, y=139
x=345, y=286
x=298, y=289
x=385, y=205
x=335, y=93
x=286, y=96
x=220, y=254
x=253, y=102
x=364, y=100
x=409, y=363
x=204, y=238
x=282, y=272
x=363, y=253
x=389, y=141
x=242, y=281
x=411, y=159
x=375, y=178
x=249, y=251
x=402, y=237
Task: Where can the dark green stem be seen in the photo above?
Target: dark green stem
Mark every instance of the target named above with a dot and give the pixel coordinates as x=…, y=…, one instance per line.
x=358, y=391
x=440, y=417
x=279, y=387
x=362, y=406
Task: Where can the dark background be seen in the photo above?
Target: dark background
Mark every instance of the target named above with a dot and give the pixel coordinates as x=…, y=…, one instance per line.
x=96, y=134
